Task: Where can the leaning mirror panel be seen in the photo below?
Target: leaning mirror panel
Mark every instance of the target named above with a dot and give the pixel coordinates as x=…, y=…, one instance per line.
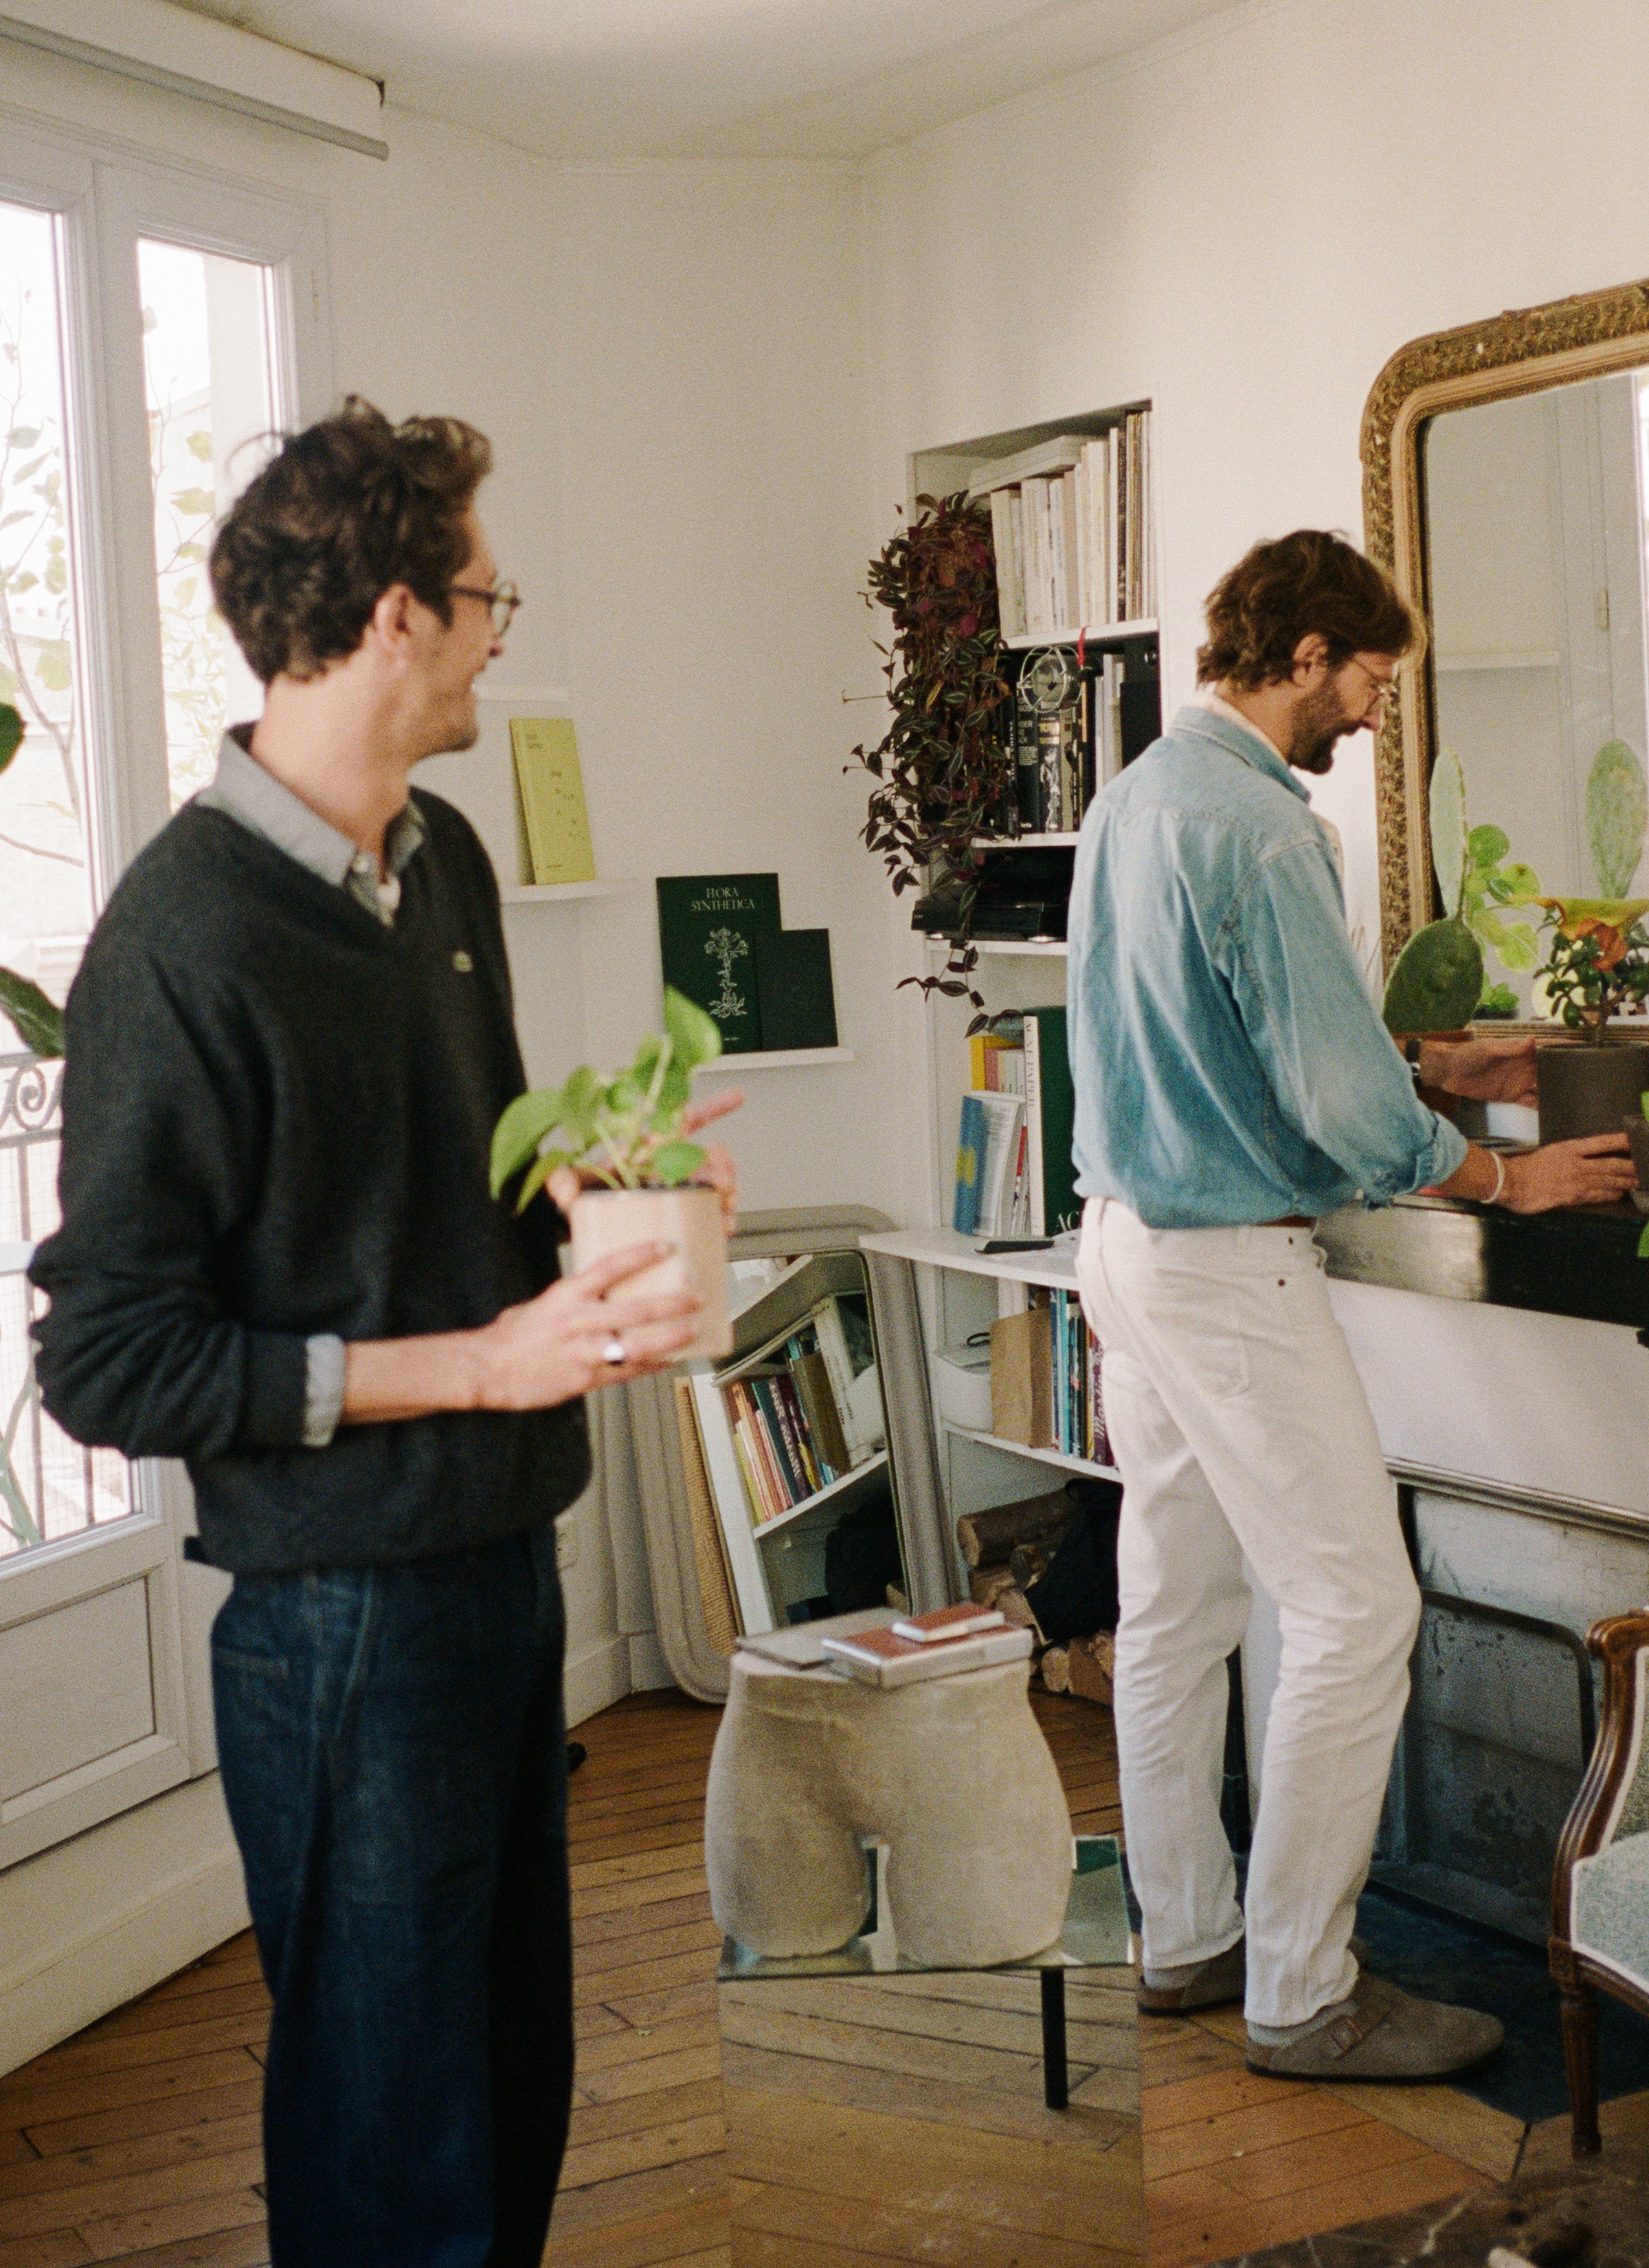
x=1534, y=512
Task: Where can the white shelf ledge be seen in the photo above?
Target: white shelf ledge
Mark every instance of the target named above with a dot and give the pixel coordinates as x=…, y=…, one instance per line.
x=1021, y=948
x=561, y=893
x=1042, y=1456
x=1095, y=633
x=944, y=1248
x=779, y=1059
x=1446, y=663
x=876, y=1464
x=1055, y=841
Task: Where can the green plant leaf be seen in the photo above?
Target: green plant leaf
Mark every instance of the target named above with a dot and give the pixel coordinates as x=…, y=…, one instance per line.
x=1447, y=808
x=1438, y=981
x=199, y=503
x=1519, y=948
x=1617, y=811
x=697, y=1036
x=10, y=734
x=51, y=665
x=1520, y=881
x=199, y=445
x=521, y=1128
x=1487, y=845
x=1643, y=1102
x=624, y=1096
x=38, y=1021
x=1497, y=1000
x=673, y=1163
x=1643, y=1243
x=543, y=1166
x=581, y=1102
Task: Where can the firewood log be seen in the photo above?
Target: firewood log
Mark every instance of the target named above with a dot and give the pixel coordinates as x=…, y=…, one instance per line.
x=984, y=1583
x=1055, y=1668
x=989, y=1535
x=1090, y=1665
x=1015, y=1607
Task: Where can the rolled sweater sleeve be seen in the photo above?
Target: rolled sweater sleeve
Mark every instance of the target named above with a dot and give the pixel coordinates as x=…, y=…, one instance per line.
x=139, y=1350
x=1329, y=1060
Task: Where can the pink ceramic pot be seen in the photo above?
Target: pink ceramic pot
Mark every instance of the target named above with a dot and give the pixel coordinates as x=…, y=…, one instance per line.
x=607, y=1220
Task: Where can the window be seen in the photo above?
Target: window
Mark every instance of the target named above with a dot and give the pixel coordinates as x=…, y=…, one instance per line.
x=155, y=327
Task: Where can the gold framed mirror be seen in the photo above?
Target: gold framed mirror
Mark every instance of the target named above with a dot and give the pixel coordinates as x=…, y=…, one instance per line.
x=1468, y=544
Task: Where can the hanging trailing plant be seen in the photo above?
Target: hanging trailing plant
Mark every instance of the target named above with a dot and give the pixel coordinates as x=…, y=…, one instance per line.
x=942, y=768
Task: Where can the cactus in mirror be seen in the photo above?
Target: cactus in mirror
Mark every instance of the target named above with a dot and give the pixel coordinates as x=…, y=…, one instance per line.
x=1438, y=981
x=38, y=1021
x=1616, y=812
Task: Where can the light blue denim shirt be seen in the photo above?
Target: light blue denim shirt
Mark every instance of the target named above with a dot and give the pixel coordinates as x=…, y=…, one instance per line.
x=1230, y=1066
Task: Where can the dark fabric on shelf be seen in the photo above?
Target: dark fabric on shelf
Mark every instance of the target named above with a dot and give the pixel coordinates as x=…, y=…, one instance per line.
x=1076, y=1594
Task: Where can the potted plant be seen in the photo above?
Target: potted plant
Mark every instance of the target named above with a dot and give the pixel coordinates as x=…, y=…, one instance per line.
x=38, y=1021
x=1596, y=962
x=942, y=768
x=623, y=1130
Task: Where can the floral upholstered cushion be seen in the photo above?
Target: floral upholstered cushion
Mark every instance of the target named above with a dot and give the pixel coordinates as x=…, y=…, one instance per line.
x=1610, y=1913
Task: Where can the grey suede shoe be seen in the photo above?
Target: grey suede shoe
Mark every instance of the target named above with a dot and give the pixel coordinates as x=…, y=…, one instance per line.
x=1385, y=2036
x=1217, y=1982
x=1211, y=1986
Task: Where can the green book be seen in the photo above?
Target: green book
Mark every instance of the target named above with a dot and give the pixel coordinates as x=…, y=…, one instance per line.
x=1050, y=1110
x=712, y=928
x=794, y=995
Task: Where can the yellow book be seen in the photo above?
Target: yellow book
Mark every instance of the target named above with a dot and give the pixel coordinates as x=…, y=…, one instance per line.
x=551, y=789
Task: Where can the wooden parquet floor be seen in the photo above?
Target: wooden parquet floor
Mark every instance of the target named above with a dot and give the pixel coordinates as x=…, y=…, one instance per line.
x=137, y=2140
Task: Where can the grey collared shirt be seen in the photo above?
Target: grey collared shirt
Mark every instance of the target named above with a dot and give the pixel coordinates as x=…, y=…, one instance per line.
x=243, y=790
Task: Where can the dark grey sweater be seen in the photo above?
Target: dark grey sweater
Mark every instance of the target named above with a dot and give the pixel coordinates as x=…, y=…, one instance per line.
x=277, y=1115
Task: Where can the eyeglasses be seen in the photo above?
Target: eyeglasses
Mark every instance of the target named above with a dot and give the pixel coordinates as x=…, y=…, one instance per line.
x=1382, y=688
x=502, y=600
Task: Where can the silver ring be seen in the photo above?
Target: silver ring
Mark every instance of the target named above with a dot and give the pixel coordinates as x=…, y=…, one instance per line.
x=614, y=1352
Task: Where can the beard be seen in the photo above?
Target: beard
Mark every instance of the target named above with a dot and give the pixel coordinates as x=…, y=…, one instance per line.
x=1319, y=724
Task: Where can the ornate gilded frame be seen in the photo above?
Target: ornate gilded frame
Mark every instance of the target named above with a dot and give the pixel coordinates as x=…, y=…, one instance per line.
x=1522, y=351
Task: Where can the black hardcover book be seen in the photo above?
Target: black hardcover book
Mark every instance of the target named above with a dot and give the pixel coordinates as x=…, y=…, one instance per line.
x=1140, y=702
x=793, y=989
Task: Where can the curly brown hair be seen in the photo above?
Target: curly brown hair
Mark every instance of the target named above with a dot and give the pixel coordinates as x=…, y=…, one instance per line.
x=347, y=508
x=1280, y=592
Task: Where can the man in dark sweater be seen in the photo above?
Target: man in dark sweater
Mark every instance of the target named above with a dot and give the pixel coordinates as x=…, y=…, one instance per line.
x=289, y=1043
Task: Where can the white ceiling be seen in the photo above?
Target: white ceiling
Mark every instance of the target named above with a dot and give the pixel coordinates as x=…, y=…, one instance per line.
x=656, y=78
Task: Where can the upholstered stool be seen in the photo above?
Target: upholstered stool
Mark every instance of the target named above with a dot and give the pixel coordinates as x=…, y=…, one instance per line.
x=953, y=1773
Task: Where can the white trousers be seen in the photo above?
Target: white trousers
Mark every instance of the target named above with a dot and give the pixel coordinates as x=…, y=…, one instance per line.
x=1241, y=1427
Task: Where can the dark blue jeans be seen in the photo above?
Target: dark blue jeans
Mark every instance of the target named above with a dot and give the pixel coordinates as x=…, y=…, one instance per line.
x=394, y=1760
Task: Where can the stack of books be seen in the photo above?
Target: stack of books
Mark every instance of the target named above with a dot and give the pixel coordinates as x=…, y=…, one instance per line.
x=1078, y=1405
x=940, y=1644
x=1062, y=756
x=1013, y=1170
x=1070, y=519
x=796, y=1410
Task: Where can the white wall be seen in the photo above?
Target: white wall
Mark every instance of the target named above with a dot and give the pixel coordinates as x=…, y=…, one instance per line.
x=1243, y=224
x=669, y=363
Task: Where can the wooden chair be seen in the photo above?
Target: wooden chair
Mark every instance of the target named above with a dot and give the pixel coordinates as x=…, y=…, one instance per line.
x=1600, y=1894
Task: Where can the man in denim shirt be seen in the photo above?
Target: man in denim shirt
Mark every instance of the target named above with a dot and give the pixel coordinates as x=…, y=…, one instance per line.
x=1234, y=1081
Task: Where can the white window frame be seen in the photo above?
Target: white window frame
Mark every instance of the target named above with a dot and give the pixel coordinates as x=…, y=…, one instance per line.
x=108, y=196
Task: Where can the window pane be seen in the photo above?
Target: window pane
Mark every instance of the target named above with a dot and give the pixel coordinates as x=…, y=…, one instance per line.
x=208, y=368
x=48, y=1485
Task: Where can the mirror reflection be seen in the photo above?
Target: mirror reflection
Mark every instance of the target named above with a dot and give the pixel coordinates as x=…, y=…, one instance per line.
x=1535, y=535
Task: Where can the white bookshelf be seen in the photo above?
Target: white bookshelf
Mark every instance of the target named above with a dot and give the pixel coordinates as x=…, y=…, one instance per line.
x=779, y=1059
x=1101, y=633
x=1040, y=1456
x=831, y=1496
x=961, y=1289
x=1009, y=948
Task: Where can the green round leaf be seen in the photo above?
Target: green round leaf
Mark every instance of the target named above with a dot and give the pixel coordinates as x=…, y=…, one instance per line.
x=1488, y=845
x=1438, y=981
x=10, y=734
x=521, y=1128
x=38, y=1021
x=697, y=1036
x=673, y=1163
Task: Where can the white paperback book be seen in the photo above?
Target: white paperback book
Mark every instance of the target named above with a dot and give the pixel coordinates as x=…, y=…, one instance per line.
x=879, y=1658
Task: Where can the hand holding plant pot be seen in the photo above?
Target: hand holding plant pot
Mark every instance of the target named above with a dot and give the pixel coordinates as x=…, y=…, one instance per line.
x=626, y=1173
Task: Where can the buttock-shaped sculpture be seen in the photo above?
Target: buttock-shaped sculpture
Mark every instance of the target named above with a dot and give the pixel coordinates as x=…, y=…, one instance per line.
x=953, y=1773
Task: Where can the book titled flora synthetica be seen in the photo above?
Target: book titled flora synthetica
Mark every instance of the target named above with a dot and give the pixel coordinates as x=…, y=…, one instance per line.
x=712, y=929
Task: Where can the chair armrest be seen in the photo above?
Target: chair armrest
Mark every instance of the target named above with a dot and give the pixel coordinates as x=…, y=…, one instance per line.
x=1620, y=1642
